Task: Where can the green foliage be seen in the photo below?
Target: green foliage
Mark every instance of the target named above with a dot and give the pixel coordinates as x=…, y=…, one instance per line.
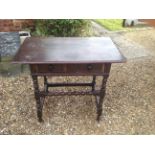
x=61, y=27
x=111, y=24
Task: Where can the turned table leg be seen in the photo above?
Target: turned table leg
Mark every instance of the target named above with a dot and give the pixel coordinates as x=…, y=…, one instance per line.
x=93, y=83
x=103, y=91
x=45, y=84
x=39, y=104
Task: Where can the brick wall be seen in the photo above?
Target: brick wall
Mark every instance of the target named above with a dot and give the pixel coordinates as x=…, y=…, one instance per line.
x=9, y=25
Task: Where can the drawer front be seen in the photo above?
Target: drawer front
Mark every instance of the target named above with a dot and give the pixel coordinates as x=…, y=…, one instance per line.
x=85, y=68
x=68, y=69
x=47, y=68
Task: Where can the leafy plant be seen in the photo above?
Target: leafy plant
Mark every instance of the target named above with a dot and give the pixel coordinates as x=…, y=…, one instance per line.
x=61, y=27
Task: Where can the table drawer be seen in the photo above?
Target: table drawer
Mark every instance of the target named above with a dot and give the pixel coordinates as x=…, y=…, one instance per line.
x=73, y=69
x=85, y=68
x=47, y=68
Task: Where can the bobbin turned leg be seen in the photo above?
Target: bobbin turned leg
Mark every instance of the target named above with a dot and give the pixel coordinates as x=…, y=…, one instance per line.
x=102, y=95
x=45, y=84
x=39, y=104
x=93, y=82
x=103, y=91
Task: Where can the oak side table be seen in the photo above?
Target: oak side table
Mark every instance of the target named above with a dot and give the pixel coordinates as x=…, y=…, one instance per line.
x=68, y=56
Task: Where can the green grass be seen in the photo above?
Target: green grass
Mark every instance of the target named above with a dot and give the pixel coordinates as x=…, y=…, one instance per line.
x=7, y=68
x=111, y=24
x=6, y=58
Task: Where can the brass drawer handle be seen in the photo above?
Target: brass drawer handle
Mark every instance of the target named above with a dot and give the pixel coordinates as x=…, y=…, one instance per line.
x=89, y=67
x=51, y=67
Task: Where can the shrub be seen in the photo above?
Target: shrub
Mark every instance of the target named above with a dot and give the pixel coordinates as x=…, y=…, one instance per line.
x=61, y=27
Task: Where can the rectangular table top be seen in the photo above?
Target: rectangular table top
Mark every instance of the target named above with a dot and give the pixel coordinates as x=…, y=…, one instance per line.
x=43, y=50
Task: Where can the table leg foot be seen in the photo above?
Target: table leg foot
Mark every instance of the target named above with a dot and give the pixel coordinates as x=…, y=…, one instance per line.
x=102, y=92
x=99, y=113
x=99, y=110
x=39, y=112
x=101, y=98
x=40, y=120
x=39, y=102
x=98, y=107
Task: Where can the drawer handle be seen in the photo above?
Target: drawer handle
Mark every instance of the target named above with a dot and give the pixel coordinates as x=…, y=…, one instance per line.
x=89, y=67
x=50, y=67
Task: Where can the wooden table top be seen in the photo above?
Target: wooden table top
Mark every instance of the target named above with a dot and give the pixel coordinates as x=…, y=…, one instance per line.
x=43, y=50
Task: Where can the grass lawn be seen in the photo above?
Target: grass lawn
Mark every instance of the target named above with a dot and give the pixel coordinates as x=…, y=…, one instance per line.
x=111, y=24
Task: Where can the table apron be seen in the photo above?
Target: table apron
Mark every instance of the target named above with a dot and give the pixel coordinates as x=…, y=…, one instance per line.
x=69, y=69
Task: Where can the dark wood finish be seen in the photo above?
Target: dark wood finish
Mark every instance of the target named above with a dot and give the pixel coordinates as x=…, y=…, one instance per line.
x=103, y=91
x=68, y=50
x=39, y=104
x=104, y=71
x=67, y=69
x=93, y=83
x=69, y=84
x=69, y=57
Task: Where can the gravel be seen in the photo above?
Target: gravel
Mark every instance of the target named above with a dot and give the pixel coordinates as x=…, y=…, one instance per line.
x=128, y=106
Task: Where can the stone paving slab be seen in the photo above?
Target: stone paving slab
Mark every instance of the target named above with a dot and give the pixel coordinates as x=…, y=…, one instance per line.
x=130, y=49
x=9, y=43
